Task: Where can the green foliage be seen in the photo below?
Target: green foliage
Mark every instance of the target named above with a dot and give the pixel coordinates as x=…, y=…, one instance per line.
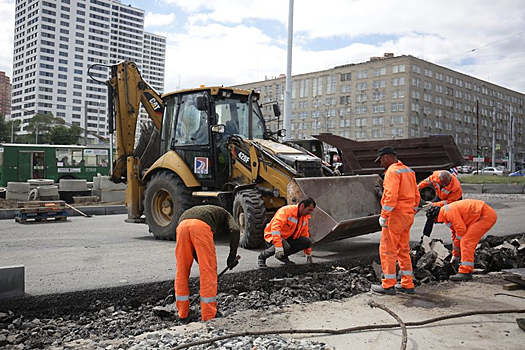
x=63, y=135
x=5, y=129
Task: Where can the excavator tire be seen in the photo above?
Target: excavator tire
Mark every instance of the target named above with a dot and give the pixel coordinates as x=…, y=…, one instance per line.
x=165, y=200
x=250, y=214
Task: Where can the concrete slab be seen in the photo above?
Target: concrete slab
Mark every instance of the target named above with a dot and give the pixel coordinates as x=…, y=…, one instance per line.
x=7, y=213
x=110, y=195
x=116, y=209
x=12, y=281
x=472, y=188
x=503, y=188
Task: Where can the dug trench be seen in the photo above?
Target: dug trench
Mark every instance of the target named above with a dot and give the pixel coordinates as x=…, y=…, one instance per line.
x=115, y=313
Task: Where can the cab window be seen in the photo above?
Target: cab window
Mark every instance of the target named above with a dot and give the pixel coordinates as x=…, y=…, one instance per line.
x=192, y=125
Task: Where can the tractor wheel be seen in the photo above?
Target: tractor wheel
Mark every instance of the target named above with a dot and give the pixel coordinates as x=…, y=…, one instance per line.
x=165, y=200
x=250, y=214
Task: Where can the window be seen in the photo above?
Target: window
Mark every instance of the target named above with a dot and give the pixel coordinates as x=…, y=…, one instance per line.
x=362, y=74
x=400, y=68
x=379, y=71
x=96, y=157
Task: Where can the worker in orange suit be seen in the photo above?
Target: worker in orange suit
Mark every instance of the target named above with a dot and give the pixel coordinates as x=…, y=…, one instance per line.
x=288, y=233
x=399, y=203
x=448, y=190
x=469, y=220
x=195, y=232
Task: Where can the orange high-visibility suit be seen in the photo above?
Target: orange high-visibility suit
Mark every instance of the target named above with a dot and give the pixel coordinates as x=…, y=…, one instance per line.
x=469, y=220
x=195, y=232
x=285, y=224
x=449, y=194
x=399, y=204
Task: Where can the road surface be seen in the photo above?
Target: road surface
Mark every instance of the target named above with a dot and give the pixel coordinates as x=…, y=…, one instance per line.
x=104, y=251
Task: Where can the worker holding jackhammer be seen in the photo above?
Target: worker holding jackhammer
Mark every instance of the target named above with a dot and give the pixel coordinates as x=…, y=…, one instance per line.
x=195, y=232
x=448, y=190
x=469, y=220
x=399, y=204
x=288, y=233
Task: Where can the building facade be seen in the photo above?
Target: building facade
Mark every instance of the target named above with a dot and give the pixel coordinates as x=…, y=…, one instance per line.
x=57, y=40
x=400, y=97
x=5, y=95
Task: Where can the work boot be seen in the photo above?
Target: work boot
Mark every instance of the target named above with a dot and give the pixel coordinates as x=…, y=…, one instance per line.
x=185, y=320
x=459, y=277
x=377, y=288
x=400, y=288
x=261, y=262
x=285, y=260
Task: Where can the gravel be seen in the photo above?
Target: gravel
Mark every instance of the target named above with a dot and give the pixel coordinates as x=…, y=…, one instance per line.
x=141, y=316
x=103, y=316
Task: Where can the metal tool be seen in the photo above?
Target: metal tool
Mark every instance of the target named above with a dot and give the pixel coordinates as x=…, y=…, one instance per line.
x=78, y=211
x=237, y=258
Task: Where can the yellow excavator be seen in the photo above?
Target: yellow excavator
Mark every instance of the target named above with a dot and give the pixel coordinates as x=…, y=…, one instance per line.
x=211, y=145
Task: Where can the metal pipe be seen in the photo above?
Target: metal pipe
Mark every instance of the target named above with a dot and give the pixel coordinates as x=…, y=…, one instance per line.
x=494, y=138
x=288, y=95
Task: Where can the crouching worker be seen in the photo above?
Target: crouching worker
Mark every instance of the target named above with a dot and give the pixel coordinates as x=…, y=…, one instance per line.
x=195, y=232
x=469, y=220
x=288, y=233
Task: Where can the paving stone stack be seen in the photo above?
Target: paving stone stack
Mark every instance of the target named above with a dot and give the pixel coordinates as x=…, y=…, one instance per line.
x=18, y=191
x=107, y=190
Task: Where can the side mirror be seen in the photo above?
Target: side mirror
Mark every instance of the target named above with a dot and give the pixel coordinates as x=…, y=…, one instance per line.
x=202, y=102
x=281, y=132
x=276, y=110
x=218, y=129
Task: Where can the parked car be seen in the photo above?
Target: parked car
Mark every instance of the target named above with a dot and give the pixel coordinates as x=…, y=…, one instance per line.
x=465, y=169
x=518, y=173
x=489, y=171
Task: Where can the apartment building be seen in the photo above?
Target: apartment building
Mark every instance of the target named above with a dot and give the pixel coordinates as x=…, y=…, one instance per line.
x=392, y=97
x=57, y=40
x=5, y=95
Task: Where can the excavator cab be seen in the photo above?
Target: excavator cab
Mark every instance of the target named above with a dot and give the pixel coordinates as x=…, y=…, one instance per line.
x=197, y=125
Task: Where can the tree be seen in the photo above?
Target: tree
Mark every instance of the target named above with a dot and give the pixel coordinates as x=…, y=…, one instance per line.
x=40, y=126
x=6, y=127
x=63, y=135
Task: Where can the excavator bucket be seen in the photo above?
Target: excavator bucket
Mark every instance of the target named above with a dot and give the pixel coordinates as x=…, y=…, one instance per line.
x=347, y=206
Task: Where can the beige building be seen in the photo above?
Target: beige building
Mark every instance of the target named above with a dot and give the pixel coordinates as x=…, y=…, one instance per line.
x=400, y=97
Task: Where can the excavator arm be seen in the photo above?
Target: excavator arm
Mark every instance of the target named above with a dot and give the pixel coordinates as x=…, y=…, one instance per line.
x=127, y=90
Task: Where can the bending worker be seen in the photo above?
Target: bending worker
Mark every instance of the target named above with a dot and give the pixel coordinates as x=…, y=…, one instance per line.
x=399, y=204
x=448, y=190
x=195, y=232
x=469, y=220
x=288, y=233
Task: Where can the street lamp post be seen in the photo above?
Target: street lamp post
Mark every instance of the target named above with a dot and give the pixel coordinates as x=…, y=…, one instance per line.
x=494, y=138
x=477, y=134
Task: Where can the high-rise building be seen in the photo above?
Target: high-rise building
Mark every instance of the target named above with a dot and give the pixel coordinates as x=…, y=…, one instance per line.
x=57, y=40
x=399, y=97
x=5, y=95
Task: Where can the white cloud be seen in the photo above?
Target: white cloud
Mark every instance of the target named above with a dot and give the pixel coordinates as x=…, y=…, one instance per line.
x=157, y=19
x=7, y=18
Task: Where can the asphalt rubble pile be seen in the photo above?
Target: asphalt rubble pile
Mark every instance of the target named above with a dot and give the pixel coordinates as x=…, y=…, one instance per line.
x=430, y=258
x=104, y=317
x=141, y=316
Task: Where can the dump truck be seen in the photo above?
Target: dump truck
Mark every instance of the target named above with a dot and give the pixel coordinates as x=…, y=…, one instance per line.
x=210, y=145
x=423, y=155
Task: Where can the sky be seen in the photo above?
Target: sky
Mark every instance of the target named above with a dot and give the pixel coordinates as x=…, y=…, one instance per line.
x=228, y=42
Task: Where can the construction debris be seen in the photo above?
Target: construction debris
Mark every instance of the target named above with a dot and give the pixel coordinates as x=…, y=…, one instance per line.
x=430, y=258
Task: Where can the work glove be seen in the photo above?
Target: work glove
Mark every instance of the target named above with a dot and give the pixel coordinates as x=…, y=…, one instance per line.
x=232, y=261
x=382, y=222
x=309, y=259
x=426, y=206
x=454, y=260
x=279, y=253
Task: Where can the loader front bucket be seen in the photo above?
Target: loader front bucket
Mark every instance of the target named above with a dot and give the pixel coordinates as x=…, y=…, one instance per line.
x=347, y=206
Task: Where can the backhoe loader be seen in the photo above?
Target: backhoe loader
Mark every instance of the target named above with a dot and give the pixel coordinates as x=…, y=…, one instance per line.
x=210, y=145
